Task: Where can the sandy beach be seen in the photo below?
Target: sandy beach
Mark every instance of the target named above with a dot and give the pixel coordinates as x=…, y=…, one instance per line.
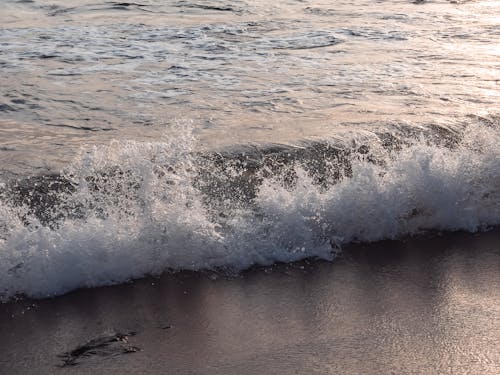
x=424, y=305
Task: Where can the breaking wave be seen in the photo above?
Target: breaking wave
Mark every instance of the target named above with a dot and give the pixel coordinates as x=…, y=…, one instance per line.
x=131, y=209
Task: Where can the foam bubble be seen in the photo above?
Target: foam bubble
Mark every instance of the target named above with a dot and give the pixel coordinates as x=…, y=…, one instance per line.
x=135, y=210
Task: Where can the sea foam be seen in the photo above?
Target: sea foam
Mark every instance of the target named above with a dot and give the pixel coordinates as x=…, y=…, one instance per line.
x=137, y=209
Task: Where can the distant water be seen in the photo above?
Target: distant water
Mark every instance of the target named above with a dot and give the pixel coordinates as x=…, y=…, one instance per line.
x=242, y=71
x=141, y=136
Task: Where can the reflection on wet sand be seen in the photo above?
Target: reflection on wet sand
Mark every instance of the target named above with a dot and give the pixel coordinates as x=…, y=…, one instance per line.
x=427, y=305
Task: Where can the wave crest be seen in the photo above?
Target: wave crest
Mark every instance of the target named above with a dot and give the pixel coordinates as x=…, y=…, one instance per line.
x=131, y=209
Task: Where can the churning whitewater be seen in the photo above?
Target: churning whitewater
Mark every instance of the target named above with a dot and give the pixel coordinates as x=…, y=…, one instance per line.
x=130, y=209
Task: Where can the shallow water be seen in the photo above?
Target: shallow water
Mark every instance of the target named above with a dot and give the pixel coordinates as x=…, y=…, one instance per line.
x=141, y=137
x=241, y=71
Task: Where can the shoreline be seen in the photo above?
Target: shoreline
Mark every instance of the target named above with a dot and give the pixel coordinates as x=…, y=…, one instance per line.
x=424, y=304
x=339, y=254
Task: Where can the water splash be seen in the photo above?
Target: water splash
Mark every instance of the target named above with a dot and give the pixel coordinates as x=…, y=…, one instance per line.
x=130, y=209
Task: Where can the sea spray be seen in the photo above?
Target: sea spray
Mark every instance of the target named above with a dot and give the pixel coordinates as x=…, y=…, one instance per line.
x=133, y=209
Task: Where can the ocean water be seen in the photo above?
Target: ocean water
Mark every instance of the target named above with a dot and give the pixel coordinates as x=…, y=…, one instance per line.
x=142, y=137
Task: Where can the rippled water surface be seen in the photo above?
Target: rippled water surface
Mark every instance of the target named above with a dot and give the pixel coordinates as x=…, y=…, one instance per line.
x=240, y=71
x=138, y=138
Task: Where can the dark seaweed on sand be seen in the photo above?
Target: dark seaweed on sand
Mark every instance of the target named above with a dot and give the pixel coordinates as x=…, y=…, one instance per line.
x=105, y=346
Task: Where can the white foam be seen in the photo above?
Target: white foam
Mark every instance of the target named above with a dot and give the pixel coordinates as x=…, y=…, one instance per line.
x=151, y=218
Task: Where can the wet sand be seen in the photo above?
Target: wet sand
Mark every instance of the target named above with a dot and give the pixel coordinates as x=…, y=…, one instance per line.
x=424, y=305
